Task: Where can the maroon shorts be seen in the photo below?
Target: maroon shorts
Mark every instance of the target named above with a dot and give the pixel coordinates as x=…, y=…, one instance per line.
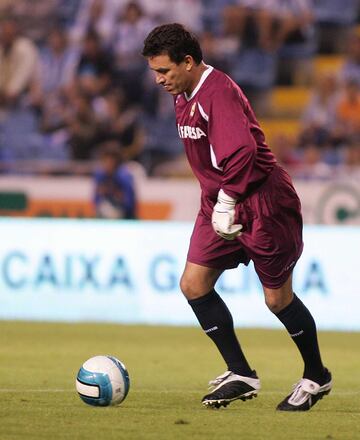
x=271, y=238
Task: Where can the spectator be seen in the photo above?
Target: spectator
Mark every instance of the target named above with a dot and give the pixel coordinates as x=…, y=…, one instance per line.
x=97, y=16
x=254, y=69
x=351, y=67
x=58, y=62
x=94, y=73
x=120, y=122
x=293, y=35
x=284, y=148
x=212, y=15
x=157, y=11
x=253, y=66
x=250, y=21
x=83, y=128
x=348, y=111
x=133, y=26
x=313, y=165
x=67, y=11
x=213, y=51
x=37, y=17
x=334, y=20
x=292, y=22
x=19, y=64
x=319, y=116
x=351, y=156
x=187, y=12
x=56, y=114
x=19, y=70
x=115, y=196
x=162, y=143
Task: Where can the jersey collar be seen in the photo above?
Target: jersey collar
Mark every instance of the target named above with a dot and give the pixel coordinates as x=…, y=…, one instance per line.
x=205, y=74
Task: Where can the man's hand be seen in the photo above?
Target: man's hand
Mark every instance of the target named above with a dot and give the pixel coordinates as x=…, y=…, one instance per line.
x=223, y=217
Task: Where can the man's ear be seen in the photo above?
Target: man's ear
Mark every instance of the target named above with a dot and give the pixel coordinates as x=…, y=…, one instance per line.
x=189, y=62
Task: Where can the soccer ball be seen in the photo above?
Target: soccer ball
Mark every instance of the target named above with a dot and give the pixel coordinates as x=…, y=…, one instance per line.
x=103, y=381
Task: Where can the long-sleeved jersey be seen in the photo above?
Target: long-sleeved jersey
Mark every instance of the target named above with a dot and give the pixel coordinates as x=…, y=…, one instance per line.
x=223, y=141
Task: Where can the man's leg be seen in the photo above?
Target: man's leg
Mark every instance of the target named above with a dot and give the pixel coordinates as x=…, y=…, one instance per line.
x=300, y=324
x=197, y=284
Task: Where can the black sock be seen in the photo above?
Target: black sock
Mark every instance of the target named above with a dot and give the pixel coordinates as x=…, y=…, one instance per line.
x=301, y=326
x=216, y=320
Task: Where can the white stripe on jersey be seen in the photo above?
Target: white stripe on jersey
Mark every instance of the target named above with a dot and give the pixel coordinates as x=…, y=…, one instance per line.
x=212, y=153
x=203, y=114
x=213, y=159
x=205, y=74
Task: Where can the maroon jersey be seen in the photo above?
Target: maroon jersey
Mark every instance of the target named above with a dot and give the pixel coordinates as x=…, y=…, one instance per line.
x=226, y=149
x=223, y=141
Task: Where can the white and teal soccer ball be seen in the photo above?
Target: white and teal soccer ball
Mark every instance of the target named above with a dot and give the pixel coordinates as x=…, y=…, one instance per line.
x=103, y=381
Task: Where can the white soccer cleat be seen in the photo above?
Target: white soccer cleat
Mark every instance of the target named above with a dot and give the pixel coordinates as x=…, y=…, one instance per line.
x=229, y=387
x=305, y=394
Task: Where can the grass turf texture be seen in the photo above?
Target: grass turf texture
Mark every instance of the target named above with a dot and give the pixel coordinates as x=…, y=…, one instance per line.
x=169, y=368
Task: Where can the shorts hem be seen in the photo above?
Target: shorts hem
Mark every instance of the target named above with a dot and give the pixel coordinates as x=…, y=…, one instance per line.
x=276, y=285
x=212, y=266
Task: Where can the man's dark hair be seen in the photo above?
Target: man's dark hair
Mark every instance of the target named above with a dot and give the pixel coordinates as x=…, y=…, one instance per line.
x=175, y=41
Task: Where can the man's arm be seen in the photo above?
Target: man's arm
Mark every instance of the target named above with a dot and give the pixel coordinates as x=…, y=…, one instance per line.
x=235, y=149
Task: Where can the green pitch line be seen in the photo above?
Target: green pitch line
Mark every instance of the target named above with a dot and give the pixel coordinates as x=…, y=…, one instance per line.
x=169, y=369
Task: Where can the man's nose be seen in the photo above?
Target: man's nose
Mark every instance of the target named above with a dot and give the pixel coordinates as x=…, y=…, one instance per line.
x=160, y=79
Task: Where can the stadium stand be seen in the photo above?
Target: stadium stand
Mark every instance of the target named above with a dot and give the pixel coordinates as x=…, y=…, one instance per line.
x=91, y=84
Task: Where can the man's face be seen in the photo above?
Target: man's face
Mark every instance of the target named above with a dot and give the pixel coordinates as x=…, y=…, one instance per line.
x=175, y=78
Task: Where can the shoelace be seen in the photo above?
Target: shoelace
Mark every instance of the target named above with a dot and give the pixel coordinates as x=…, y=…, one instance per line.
x=219, y=379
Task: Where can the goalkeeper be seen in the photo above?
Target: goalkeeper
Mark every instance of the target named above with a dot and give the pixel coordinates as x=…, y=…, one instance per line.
x=249, y=211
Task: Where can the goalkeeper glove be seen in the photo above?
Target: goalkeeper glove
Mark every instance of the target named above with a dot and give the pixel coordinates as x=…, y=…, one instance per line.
x=223, y=217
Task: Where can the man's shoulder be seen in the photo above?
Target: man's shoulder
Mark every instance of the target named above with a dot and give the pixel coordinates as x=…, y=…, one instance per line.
x=217, y=86
x=219, y=90
x=219, y=83
x=214, y=79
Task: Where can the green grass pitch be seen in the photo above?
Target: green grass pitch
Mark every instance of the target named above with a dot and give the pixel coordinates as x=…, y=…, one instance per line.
x=169, y=369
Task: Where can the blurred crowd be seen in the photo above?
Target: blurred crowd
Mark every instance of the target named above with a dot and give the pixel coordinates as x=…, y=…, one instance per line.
x=72, y=80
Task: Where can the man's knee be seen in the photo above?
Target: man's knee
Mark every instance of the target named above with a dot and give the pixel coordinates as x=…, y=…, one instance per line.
x=197, y=280
x=189, y=287
x=278, y=301
x=193, y=288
